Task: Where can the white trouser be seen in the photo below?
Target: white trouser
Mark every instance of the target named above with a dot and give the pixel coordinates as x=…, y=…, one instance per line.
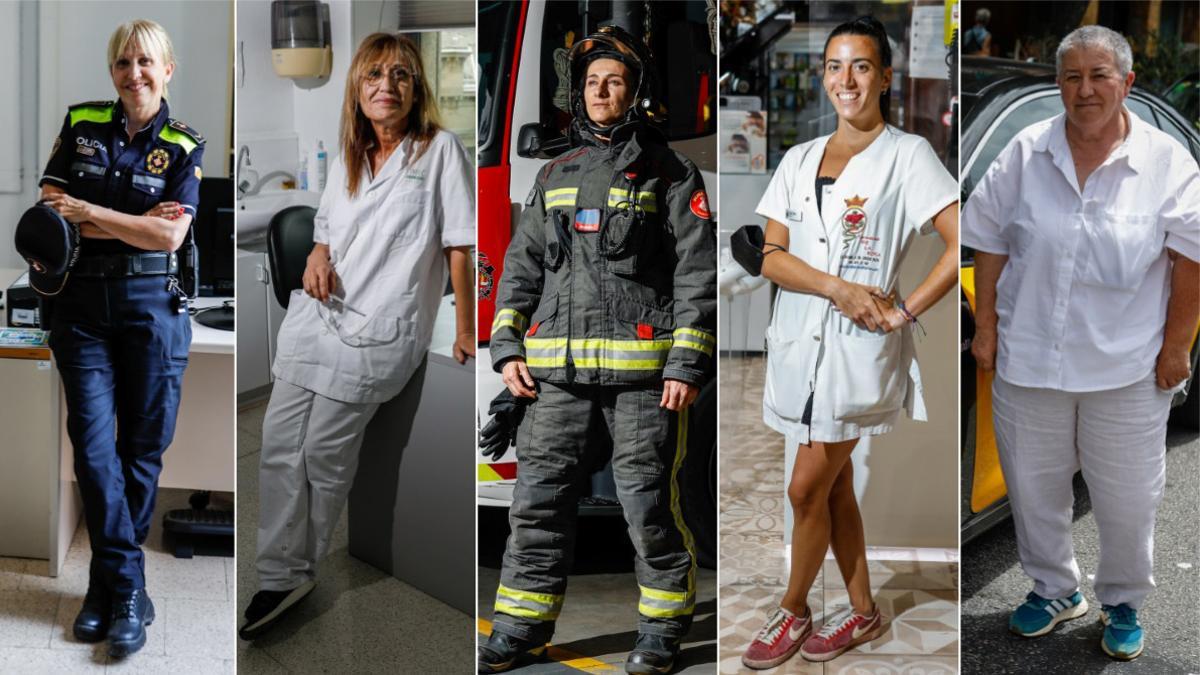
x=310, y=450
x=1118, y=438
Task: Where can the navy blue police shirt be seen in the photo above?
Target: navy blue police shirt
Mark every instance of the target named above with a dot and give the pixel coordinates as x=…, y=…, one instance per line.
x=95, y=160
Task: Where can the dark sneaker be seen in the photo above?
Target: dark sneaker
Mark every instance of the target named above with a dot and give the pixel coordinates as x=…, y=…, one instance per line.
x=131, y=613
x=504, y=652
x=652, y=654
x=268, y=607
x=1123, y=636
x=91, y=624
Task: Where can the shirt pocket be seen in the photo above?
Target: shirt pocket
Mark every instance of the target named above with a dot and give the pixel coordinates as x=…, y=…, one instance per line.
x=87, y=181
x=788, y=384
x=404, y=212
x=868, y=373
x=146, y=191
x=1119, y=249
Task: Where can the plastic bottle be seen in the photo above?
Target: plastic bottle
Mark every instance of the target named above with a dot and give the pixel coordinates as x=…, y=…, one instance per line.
x=322, y=165
x=302, y=176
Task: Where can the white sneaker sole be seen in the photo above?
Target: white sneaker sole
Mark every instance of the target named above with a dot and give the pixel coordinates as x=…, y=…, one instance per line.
x=297, y=594
x=1065, y=615
x=863, y=639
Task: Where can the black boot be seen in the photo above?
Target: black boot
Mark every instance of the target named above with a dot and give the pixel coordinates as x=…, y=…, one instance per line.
x=91, y=624
x=652, y=654
x=131, y=613
x=504, y=652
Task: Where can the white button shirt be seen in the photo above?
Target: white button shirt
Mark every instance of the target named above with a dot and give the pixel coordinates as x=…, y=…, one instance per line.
x=386, y=244
x=859, y=380
x=1082, y=302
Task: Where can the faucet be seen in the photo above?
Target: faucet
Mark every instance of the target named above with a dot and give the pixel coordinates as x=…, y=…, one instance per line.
x=243, y=186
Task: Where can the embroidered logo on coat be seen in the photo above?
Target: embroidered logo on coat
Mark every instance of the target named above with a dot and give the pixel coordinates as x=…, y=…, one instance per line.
x=854, y=220
x=157, y=161
x=699, y=204
x=487, y=276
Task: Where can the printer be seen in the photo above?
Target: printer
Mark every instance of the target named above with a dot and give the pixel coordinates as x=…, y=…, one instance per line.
x=23, y=309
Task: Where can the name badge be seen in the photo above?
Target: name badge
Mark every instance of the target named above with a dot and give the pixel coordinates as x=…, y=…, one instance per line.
x=587, y=220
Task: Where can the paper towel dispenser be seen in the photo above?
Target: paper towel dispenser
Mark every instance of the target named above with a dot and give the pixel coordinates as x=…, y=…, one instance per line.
x=300, y=39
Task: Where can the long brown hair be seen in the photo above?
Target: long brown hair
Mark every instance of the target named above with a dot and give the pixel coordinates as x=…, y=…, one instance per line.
x=357, y=134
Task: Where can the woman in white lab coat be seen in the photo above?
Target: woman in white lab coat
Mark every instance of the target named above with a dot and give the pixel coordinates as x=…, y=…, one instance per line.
x=841, y=212
x=398, y=208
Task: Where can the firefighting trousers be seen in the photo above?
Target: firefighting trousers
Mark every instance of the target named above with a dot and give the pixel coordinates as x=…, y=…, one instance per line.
x=556, y=452
x=310, y=450
x=1117, y=438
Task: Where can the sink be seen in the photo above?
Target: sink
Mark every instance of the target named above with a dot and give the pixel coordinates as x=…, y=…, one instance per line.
x=254, y=213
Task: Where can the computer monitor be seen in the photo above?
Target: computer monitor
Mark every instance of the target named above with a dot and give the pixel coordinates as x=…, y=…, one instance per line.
x=215, y=237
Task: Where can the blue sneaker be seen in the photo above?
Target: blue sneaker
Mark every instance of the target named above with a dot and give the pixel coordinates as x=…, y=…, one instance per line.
x=1122, y=632
x=1038, y=615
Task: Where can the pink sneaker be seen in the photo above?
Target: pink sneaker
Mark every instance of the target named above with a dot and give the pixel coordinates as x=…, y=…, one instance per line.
x=836, y=637
x=778, y=640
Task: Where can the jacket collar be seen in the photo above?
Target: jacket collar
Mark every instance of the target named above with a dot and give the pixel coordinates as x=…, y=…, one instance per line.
x=156, y=125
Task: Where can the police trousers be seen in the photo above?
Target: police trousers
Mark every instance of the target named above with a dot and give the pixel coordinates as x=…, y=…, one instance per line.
x=1117, y=437
x=121, y=349
x=556, y=453
x=310, y=447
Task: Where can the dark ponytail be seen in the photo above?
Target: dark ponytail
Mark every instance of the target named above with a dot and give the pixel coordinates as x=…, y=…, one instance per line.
x=869, y=26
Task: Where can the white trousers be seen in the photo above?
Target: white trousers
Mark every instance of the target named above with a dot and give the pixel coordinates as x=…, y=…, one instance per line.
x=1117, y=437
x=310, y=450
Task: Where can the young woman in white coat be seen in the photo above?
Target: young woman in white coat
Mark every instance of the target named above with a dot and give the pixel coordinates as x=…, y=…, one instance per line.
x=841, y=213
x=397, y=210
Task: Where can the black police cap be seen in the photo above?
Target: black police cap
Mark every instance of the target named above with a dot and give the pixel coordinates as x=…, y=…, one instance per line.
x=50, y=245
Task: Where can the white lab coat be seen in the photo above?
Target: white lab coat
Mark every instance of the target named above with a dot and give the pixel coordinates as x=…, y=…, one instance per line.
x=860, y=380
x=386, y=244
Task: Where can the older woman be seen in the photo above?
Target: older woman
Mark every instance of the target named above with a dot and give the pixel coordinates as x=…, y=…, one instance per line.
x=129, y=175
x=398, y=207
x=1087, y=232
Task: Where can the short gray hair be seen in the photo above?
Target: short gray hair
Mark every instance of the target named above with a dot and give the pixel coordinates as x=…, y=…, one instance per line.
x=983, y=15
x=1097, y=37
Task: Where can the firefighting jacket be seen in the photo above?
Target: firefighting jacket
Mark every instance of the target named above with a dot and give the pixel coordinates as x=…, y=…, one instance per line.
x=610, y=277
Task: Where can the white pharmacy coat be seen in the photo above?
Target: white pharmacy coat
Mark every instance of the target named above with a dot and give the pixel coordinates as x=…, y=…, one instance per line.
x=859, y=379
x=386, y=244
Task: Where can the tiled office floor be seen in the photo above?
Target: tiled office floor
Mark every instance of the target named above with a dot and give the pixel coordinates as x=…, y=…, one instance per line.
x=193, y=631
x=358, y=619
x=917, y=595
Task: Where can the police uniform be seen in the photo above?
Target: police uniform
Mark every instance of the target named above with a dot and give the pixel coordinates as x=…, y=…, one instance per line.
x=120, y=331
x=609, y=288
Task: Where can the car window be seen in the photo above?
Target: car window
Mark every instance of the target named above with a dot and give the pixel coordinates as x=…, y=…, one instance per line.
x=1027, y=112
x=1160, y=119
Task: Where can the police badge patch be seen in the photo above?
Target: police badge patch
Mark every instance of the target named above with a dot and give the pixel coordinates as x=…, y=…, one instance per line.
x=157, y=161
x=854, y=220
x=487, y=276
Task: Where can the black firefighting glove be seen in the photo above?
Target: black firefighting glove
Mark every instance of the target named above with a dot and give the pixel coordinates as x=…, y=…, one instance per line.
x=507, y=411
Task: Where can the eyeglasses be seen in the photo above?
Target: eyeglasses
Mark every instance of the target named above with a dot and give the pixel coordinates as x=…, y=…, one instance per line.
x=397, y=74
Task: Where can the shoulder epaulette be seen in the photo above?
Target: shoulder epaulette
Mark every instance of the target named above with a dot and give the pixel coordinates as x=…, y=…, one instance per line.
x=92, y=111
x=181, y=134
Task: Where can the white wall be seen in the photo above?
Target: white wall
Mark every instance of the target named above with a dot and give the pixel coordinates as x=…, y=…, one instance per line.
x=73, y=64
x=22, y=141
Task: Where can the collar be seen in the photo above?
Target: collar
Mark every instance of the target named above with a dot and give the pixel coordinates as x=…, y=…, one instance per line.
x=1132, y=149
x=155, y=126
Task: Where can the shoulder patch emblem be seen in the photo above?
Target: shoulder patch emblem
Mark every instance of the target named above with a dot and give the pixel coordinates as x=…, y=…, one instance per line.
x=487, y=276
x=199, y=173
x=699, y=204
x=157, y=161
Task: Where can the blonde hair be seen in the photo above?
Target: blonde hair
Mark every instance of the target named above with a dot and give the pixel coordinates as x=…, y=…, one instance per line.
x=357, y=134
x=146, y=34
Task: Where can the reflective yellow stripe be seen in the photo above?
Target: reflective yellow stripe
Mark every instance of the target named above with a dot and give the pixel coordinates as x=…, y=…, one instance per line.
x=510, y=318
x=669, y=596
x=527, y=604
x=680, y=452
x=548, y=599
x=91, y=113
x=699, y=334
x=598, y=353
x=561, y=197
x=513, y=610
x=590, y=344
x=663, y=612
x=545, y=343
x=646, y=200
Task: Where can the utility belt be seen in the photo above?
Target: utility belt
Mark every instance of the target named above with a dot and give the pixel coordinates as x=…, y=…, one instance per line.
x=120, y=265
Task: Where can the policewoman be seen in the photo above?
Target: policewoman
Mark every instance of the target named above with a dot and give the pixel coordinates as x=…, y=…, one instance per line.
x=842, y=210
x=128, y=175
x=397, y=213
x=606, y=317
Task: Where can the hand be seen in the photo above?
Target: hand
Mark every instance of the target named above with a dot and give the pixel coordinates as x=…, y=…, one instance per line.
x=983, y=348
x=464, y=347
x=893, y=319
x=678, y=395
x=319, y=278
x=517, y=378
x=860, y=304
x=74, y=210
x=168, y=210
x=1172, y=367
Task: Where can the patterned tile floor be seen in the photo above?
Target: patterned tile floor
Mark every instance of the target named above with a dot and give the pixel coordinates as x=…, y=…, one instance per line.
x=919, y=597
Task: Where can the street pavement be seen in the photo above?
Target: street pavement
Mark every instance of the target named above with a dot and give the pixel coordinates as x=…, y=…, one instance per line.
x=993, y=584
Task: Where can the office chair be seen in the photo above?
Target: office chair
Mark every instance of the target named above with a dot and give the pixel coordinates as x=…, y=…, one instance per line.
x=289, y=241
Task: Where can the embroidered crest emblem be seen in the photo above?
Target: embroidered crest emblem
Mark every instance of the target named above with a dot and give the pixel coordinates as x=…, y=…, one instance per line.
x=487, y=276
x=699, y=204
x=854, y=220
x=157, y=161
